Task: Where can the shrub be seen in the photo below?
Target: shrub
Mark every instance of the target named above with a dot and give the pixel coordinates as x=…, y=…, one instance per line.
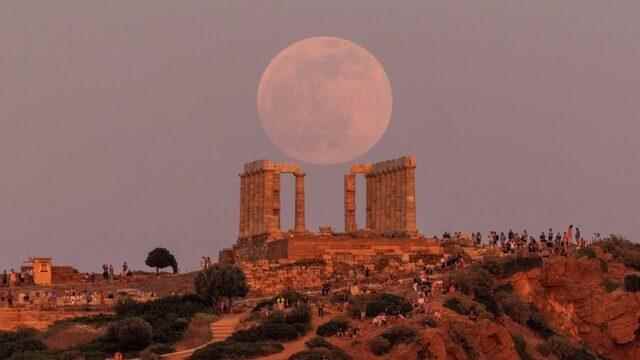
x=221, y=282
x=317, y=342
x=610, y=285
x=586, y=252
x=632, y=283
x=319, y=348
x=267, y=331
x=538, y=324
x=301, y=314
x=317, y=354
x=31, y=355
x=514, y=308
x=457, y=336
x=464, y=306
x=332, y=327
x=236, y=350
x=510, y=265
x=430, y=322
x=379, y=345
x=133, y=333
x=521, y=347
x=622, y=250
x=19, y=341
x=399, y=334
x=564, y=350
x=388, y=303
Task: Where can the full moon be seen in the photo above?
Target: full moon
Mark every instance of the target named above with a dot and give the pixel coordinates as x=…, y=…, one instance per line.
x=324, y=100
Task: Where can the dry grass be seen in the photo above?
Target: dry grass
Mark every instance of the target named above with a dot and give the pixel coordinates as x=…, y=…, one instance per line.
x=198, y=332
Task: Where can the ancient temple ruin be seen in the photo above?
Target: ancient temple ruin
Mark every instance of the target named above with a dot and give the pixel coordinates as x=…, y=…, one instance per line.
x=390, y=195
x=390, y=215
x=260, y=198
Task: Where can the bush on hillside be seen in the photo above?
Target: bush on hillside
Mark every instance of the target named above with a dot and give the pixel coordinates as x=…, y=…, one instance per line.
x=236, y=350
x=521, y=347
x=266, y=332
x=131, y=334
x=610, y=285
x=510, y=265
x=19, y=341
x=320, y=349
x=464, y=306
x=478, y=283
x=632, y=283
x=379, y=345
x=32, y=355
x=458, y=336
x=586, y=252
x=622, y=250
x=513, y=307
x=399, y=334
x=564, y=350
x=221, y=282
x=538, y=324
x=333, y=327
x=387, y=303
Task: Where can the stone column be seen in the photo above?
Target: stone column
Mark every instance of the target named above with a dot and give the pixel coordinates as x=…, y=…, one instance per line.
x=299, y=226
x=276, y=200
x=410, y=199
x=250, y=204
x=260, y=202
x=350, y=203
x=243, y=215
x=370, y=202
x=268, y=216
x=402, y=203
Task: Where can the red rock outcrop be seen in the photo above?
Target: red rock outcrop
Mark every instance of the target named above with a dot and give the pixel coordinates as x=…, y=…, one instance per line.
x=571, y=293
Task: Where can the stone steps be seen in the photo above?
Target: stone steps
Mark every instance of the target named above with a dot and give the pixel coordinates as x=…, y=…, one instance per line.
x=222, y=329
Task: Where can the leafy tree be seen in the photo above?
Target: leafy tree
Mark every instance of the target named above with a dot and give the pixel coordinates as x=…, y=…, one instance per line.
x=220, y=282
x=161, y=258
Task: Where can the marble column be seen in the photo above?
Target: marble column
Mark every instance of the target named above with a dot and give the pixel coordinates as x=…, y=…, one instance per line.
x=250, y=204
x=299, y=226
x=410, y=198
x=350, y=203
x=268, y=217
x=276, y=200
x=370, y=202
x=243, y=214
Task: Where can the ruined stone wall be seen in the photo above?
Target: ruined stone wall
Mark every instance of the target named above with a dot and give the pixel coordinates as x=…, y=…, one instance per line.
x=312, y=246
x=12, y=318
x=267, y=278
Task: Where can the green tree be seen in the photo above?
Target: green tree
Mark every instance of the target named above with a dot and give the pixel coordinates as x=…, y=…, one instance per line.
x=221, y=282
x=161, y=258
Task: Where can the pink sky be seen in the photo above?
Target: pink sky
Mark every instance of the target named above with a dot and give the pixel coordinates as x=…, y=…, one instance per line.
x=124, y=125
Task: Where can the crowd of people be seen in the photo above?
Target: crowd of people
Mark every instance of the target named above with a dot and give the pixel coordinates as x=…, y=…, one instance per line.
x=547, y=243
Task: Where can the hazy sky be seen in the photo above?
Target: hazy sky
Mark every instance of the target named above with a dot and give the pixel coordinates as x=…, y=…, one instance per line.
x=124, y=124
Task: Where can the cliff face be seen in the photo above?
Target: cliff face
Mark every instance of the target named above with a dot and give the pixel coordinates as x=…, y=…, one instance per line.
x=583, y=298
